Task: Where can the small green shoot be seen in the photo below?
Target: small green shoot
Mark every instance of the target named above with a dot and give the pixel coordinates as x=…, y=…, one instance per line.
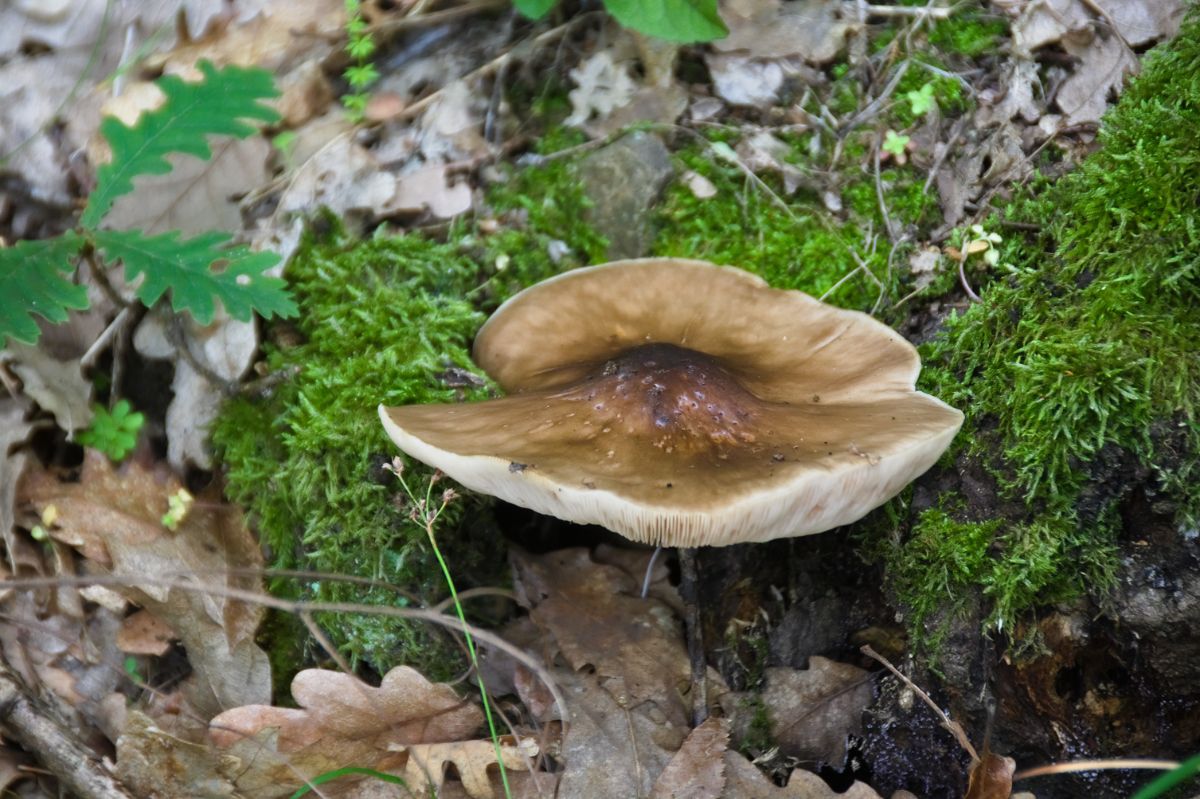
x=896, y=144
x=113, y=432
x=132, y=671
x=360, y=46
x=178, y=505
x=921, y=101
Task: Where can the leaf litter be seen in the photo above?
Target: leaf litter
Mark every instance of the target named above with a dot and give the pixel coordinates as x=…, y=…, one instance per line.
x=619, y=658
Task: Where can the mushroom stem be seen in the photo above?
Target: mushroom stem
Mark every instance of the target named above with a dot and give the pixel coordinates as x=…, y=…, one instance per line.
x=689, y=585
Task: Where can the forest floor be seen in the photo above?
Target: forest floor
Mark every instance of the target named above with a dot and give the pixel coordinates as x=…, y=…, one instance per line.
x=219, y=579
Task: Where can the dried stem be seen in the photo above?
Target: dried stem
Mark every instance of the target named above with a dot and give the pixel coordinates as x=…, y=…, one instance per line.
x=953, y=727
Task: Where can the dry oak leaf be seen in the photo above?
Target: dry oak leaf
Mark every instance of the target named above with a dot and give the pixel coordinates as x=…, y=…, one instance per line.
x=343, y=721
x=813, y=711
x=426, y=766
x=635, y=645
x=114, y=517
x=698, y=769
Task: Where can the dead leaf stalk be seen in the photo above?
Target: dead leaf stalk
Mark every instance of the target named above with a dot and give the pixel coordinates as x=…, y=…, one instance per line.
x=953, y=727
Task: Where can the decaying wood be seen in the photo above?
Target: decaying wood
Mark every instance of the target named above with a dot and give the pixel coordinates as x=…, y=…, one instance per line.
x=23, y=719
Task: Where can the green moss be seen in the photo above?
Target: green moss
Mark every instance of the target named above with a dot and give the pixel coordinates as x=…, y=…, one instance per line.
x=380, y=321
x=383, y=320
x=801, y=246
x=539, y=205
x=1081, y=369
x=970, y=32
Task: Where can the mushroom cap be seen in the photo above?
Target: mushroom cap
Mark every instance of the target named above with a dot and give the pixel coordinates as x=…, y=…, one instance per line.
x=685, y=404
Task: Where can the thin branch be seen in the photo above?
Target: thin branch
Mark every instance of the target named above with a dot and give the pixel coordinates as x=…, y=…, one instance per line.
x=79, y=770
x=953, y=727
x=925, y=12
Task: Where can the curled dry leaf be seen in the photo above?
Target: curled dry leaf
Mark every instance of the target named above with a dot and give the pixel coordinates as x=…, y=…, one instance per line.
x=601, y=87
x=697, y=771
x=56, y=386
x=343, y=721
x=425, y=770
x=114, y=518
x=597, y=618
x=745, y=781
x=13, y=431
x=813, y=711
x=227, y=347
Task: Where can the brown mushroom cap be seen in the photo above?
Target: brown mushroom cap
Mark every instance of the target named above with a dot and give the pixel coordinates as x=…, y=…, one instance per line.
x=685, y=404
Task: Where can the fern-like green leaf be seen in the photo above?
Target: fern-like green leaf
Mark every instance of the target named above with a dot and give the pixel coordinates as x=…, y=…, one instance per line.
x=32, y=282
x=198, y=270
x=216, y=106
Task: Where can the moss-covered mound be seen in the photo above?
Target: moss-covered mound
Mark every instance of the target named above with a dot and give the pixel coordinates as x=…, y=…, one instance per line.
x=386, y=320
x=1080, y=370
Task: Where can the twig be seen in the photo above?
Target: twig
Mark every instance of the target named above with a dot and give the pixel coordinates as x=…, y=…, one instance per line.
x=173, y=325
x=955, y=133
x=79, y=771
x=962, y=275
x=924, y=12
x=953, y=727
x=487, y=69
x=302, y=606
x=101, y=343
x=413, y=21
x=872, y=108
x=883, y=210
x=262, y=387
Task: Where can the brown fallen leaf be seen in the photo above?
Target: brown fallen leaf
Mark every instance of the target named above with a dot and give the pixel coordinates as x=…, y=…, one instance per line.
x=114, y=517
x=814, y=30
x=143, y=633
x=991, y=777
x=425, y=770
x=597, y=619
x=57, y=386
x=697, y=771
x=814, y=710
x=342, y=721
x=610, y=750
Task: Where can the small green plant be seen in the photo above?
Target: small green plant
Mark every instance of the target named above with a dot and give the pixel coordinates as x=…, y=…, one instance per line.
x=896, y=144
x=195, y=272
x=921, y=101
x=684, y=21
x=425, y=510
x=178, y=505
x=113, y=432
x=361, y=73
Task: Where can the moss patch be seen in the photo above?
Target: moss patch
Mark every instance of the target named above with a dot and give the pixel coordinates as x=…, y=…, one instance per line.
x=380, y=321
x=1081, y=369
x=386, y=320
x=792, y=242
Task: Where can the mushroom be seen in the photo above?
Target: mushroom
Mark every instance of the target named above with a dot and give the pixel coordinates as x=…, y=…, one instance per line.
x=684, y=404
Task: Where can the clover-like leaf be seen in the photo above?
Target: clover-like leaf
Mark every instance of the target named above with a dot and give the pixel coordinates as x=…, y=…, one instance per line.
x=197, y=271
x=921, y=101
x=895, y=143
